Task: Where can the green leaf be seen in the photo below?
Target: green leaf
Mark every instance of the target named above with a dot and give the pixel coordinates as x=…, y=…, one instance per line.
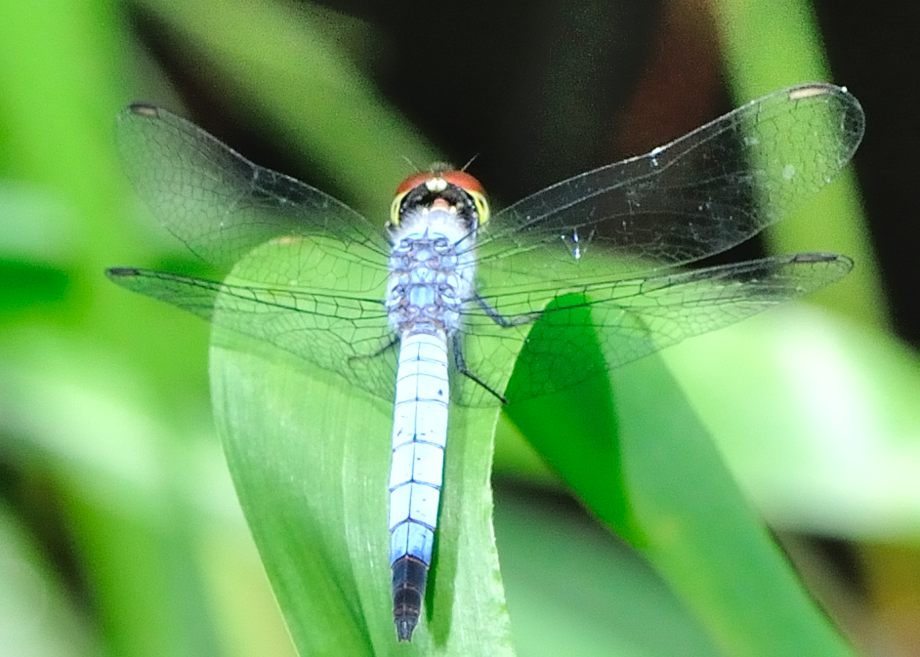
x=77, y=421
x=36, y=617
x=644, y=464
x=310, y=460
x=769, y=45
x=601, y=597
x=817, y=418
x=294, y=83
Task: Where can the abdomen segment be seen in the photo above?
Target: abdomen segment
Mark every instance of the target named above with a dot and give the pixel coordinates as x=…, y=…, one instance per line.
x=416, y=471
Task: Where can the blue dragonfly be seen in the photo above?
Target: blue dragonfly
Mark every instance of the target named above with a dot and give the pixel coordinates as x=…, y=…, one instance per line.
x=428, y=308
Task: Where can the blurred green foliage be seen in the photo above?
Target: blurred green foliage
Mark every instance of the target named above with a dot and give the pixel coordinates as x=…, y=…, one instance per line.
x=120, y=533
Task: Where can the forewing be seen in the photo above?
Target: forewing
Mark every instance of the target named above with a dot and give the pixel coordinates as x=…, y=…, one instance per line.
x=348, y=335
x=624, y=320
x=697, y=196
x=220, y=204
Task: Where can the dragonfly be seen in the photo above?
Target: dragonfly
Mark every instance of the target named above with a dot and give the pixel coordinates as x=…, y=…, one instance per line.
x=430, y=308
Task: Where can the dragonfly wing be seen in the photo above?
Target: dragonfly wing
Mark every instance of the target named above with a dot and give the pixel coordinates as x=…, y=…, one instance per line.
x=699, y=195
x=341, y=333
x=220, y=204
x=623, y=319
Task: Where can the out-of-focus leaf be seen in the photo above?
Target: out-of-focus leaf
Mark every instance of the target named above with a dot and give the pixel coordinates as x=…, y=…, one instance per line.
x=291, y=90
x=78, y=420
x=818, y=419
x=644, y=464
x=35, y=226
x=36, y=617
x=770, y=45
x=601, y=598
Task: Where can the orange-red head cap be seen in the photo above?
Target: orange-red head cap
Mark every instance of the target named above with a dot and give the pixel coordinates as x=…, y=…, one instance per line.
x=437, y=180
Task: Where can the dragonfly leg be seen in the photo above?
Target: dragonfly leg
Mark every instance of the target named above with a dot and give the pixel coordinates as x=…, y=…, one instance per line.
x=460, y=364
x=501, y=320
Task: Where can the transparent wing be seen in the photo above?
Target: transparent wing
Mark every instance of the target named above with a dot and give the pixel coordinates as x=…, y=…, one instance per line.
x=308, y=273
x=342, y=333
x=699, y=195
x=624, y=319
x=220, y=204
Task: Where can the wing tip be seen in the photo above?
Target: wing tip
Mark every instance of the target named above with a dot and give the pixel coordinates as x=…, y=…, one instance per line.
x=811, y=89
x=145, y=110
x=122, y=272
x=845, y=262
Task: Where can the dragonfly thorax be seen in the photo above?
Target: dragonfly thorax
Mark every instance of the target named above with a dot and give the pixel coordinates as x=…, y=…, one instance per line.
x=431, y=271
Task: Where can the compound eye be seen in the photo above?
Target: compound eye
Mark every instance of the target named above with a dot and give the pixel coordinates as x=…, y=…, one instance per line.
x=394, y=209
x=482, y=207
x=464, y=181
x=473, y=187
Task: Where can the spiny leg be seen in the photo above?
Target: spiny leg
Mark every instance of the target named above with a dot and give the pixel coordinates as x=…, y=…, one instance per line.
x=501, y=320
x=460, y=364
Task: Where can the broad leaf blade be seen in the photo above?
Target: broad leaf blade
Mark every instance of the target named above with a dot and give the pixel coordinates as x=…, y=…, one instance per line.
x=602, y=597
x=667, y=492
x=310, y=459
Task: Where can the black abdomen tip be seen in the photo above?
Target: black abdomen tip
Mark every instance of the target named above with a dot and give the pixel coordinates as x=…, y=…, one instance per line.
x=409, y=576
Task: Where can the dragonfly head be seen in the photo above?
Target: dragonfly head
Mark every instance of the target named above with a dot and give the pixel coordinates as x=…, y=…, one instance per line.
x=441, y=186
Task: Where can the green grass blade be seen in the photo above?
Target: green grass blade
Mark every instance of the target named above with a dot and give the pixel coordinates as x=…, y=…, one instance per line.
x=770, y=45
x=310, y=461
x=306, y=86
x=37, y=619
x=644, y=465
x=823, y=420
x=574, y=589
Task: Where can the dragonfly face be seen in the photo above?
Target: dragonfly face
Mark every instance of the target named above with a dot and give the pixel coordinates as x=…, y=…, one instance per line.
x=433, y=309
x=458, y=189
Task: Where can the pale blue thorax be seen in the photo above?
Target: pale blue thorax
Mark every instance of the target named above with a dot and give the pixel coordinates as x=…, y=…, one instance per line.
x=430, y=277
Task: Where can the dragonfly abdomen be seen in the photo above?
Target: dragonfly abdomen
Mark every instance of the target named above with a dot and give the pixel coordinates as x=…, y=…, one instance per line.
x=430, y=277
x=416, y=470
